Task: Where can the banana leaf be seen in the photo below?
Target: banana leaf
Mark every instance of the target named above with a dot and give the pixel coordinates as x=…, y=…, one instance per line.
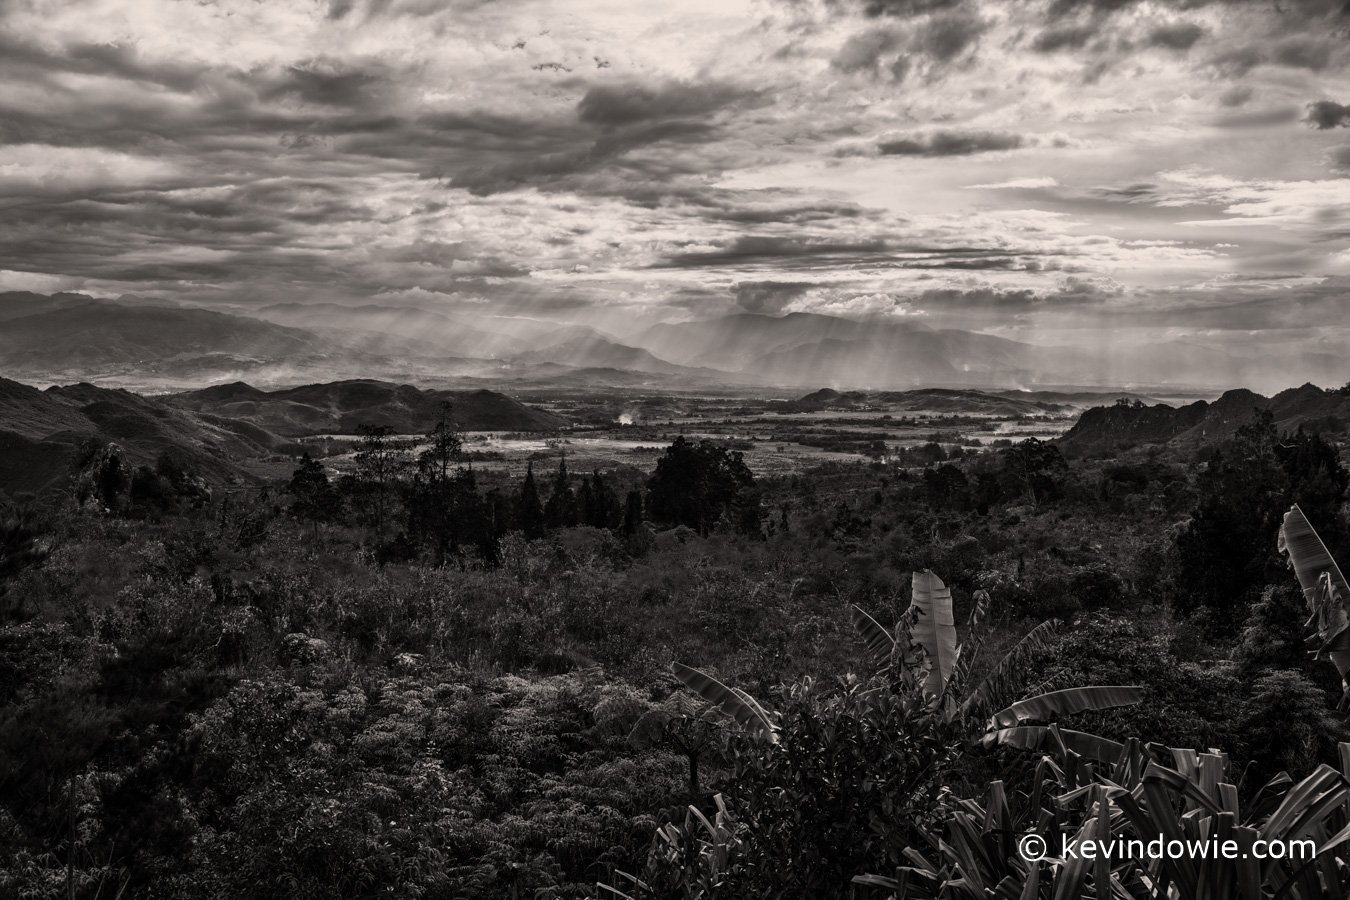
x=1042, y=738
x=1047, y=707
x=735, y=703
x=999, y=684
x=934, y=628
x=1324, y=587
x=879, y=642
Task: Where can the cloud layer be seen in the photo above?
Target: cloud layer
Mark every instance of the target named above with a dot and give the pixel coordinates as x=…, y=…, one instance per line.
x=1154, y=167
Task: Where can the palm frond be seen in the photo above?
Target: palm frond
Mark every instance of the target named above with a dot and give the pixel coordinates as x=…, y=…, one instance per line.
x=734, y=702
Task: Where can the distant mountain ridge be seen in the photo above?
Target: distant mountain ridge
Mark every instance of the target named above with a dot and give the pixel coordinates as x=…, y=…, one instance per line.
x=870, y=354
x=343, y=407
x=76, y=340
x=148, y=344
x=1108, y=428
x=951, y=400
x=220, y=431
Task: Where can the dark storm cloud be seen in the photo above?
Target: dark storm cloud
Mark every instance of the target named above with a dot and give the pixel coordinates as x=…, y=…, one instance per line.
x=1063, y=37
x=324, y=111
x=1177, y=36
x=1061, y=8
x=897, y=8
x=879, y=253
x=769, y=296
x=788, y=215
x=1259, y=118
x=990, y=264
x=951, y=143
x=1339, y=158
x=541, y=171
x=751, y=249
x=891, y=52
x=985, y=301
x=958, y=299
x=947, y=36
x=111, y=60
x=320, y=110
x=865, y=52
x=1237, y=95
x=1312, y=53
x=1237, y=61
x=1132, y=193
x=444, y=254
x=1299, y=52
x=1328, y=114
x=328, y=83
x=1295, y=11
x=628, y=104
x=614, y=121
x=225, y=112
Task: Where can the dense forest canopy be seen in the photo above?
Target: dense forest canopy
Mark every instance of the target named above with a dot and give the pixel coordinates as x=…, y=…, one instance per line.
x=414, y=677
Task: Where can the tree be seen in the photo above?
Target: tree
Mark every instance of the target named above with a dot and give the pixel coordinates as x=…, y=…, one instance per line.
x=529, y=512
x=313, y=498
x=431, y=495
x=632, y=513
x=1317, y=483
x=1036, y=468
x=561, y=509
x=444, y=447
x=946, y=487
x=697, y=485
x=1226, y=551
x=599, y=504
x=472, y=524
x=21, y=543
x=500, y=511
x=1273, y=635
x=586, y=503
x=988, y=492
x=103, y=478
x=381, y=462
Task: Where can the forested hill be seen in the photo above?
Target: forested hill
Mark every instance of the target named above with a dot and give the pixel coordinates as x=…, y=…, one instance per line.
x=1126, y=424
x=341, y=407
x=216, y=432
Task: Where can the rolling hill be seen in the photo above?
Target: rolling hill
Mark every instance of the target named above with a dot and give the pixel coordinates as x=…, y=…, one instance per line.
x=221, y=430
x=343, y=407
x=934, y=400
x=1110, y=428
x=42, y=430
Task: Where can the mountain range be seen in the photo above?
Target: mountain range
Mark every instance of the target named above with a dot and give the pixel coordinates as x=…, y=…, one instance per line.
x=1106, y=429
x=133, y=342
x=223, y=432
x=343, y=407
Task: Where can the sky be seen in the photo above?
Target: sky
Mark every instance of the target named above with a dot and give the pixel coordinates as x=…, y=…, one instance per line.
x=1061, y=171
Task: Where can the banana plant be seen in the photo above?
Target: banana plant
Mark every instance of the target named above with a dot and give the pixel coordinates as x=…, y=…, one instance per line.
x=1021, y=724
x=926, y=638
x=1137, y=798
x=693, y=860
x=1324, y=589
